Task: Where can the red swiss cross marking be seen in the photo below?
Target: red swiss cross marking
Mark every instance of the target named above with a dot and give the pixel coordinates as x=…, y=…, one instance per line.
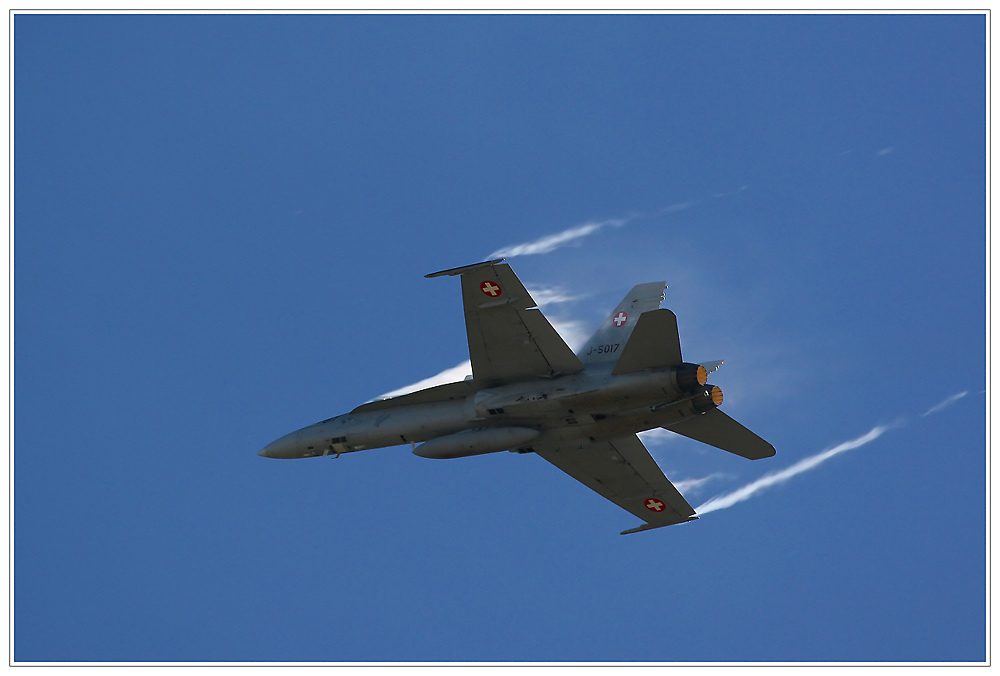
x=620, y=319
x=490, y=289
x=655, y=505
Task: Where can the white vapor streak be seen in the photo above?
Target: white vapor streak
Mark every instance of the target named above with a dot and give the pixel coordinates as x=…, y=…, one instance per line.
x=768, y=480
x=452, y=375
x=552, y=242
x=730, y=194
x=944, y=404
x=686, y=485
x=549, y=295
x=673, y=208
x=573, y=332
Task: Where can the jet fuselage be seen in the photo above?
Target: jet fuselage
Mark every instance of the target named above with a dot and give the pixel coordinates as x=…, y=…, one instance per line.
x=530, y=393
x=596, y=404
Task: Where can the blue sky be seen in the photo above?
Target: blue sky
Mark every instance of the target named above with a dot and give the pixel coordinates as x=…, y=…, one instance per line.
x=221, y=229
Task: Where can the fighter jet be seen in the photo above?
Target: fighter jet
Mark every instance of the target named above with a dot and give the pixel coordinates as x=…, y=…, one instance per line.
x=529, y=393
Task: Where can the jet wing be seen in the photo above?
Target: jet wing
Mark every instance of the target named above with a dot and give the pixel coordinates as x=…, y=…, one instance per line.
x=624, y=472
x=509, y=338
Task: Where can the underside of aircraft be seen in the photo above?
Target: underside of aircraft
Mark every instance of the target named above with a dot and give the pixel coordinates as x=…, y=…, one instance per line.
x=530, y=393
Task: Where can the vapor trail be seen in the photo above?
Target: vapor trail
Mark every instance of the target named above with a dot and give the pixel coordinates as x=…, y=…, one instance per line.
x=768, y=480
x=550, y=295
x=559, y=239
x=944, y=404
x=685, y=485
x=452, y=375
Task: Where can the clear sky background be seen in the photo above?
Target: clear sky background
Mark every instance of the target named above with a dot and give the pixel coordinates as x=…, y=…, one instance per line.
x=221, y=229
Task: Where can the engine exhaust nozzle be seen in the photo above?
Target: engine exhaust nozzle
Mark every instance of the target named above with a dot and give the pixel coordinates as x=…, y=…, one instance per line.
x=710, y=397
x=690, y=377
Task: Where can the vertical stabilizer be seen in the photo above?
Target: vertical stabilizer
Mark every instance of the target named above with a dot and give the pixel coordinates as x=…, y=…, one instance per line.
x=654, y=343
x=607, y=344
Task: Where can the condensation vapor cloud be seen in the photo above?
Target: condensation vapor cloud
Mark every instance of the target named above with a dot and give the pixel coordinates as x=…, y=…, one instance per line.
x=550, y=295
x=695, y=485
x=452, y=375
x=559, y=239
x=944, y=404
x=775, y=478
x=577, y=232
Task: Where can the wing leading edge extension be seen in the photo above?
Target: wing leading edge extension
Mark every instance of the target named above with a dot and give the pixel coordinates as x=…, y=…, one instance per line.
x=509, y=338
x=624, y=472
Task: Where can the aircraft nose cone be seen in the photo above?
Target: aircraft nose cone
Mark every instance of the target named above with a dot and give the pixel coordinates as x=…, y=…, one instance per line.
x=285, y=447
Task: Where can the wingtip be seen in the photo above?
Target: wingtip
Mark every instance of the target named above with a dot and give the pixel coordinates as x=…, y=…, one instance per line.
x=649, y=526
x=464, y=268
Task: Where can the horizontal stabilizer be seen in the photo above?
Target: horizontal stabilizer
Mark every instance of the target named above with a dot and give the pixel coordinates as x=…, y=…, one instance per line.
x=654, y=343
x=715, y=428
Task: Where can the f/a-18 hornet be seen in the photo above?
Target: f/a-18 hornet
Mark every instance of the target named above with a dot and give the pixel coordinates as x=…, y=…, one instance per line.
x=529, y=393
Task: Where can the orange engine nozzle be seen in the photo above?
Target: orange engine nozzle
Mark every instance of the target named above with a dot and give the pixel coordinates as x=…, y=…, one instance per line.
x=710, y=397
x=691, y=377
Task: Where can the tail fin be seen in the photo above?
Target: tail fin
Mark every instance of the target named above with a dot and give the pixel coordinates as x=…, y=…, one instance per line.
x=655, y=343
x=607, y=344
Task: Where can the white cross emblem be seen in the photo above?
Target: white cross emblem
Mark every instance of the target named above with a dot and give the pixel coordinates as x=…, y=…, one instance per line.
x=655, y=505
x=490, y=289
x=620, y=319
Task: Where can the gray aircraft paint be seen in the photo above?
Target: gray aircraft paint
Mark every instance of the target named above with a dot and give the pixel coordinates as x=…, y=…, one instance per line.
x=531, y=393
